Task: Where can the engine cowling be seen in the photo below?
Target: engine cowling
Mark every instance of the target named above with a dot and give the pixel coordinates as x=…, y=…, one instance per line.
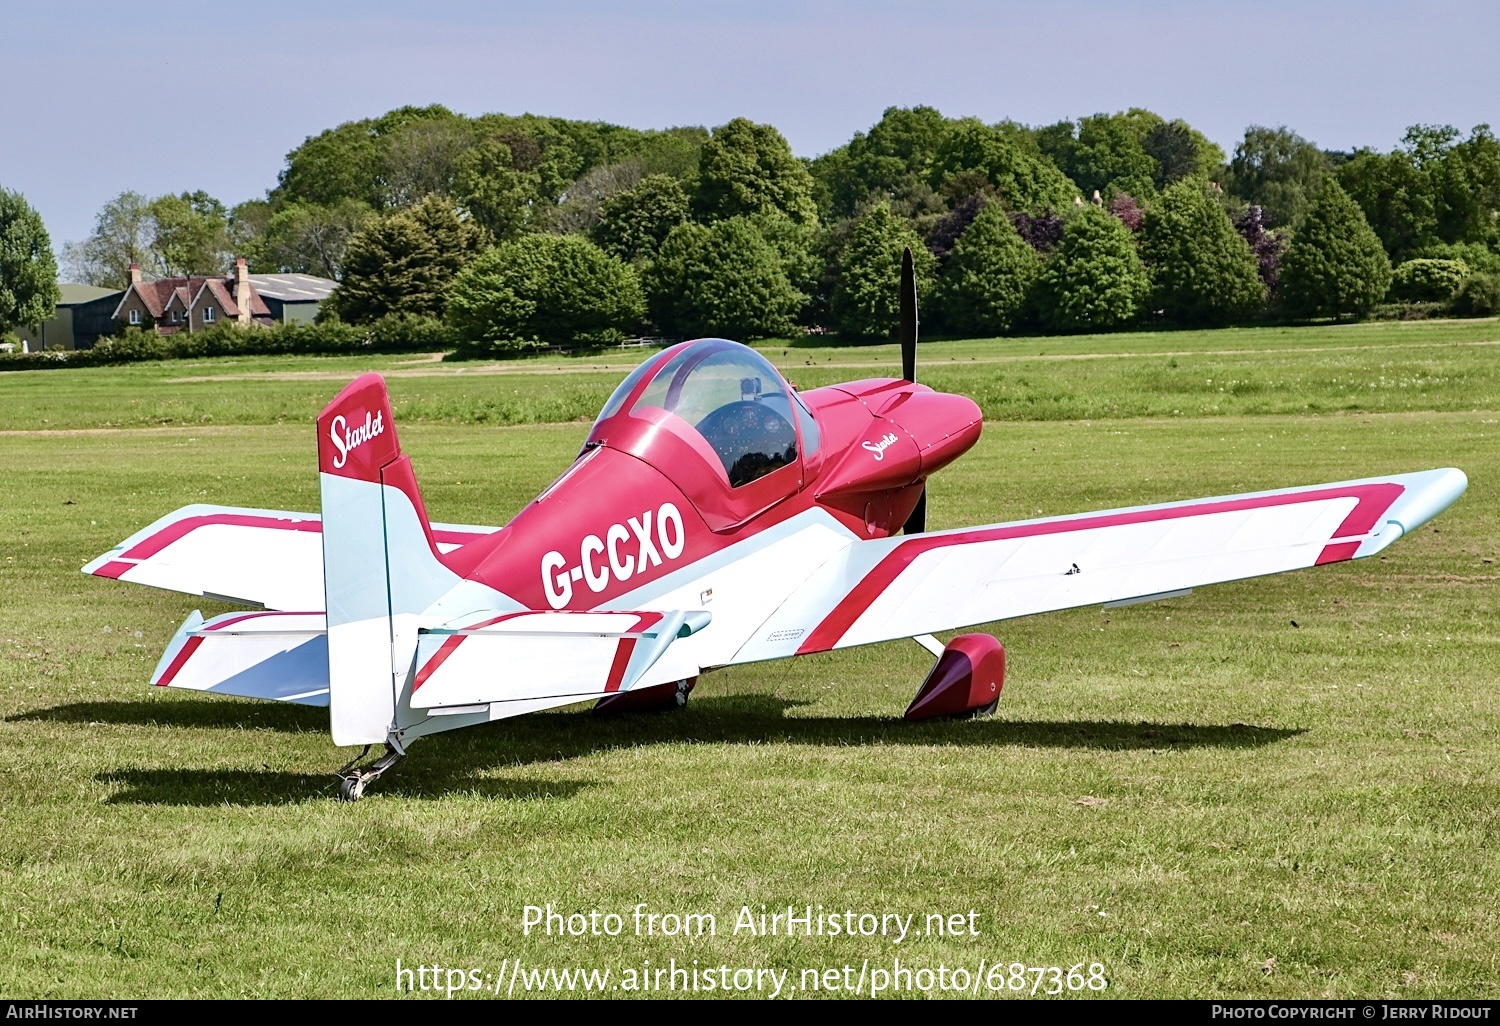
x=966, y=680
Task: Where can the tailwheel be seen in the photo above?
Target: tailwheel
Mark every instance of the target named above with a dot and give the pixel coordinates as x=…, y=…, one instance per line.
x=352, y=780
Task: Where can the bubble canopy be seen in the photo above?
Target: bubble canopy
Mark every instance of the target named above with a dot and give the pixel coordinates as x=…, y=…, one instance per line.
x=727, y=393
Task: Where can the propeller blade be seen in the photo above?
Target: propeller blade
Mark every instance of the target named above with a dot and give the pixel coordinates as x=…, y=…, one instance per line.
x=917, y=522
x=908, y=317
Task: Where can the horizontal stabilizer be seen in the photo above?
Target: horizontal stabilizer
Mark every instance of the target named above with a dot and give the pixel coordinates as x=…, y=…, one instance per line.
x=533, y=654
x=256, y=557
x=277, y=656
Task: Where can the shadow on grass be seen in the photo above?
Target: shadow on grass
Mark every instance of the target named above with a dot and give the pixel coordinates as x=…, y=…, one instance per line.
x=760, y=719
x=457, y=762
x=213, y=712
x=270, y=787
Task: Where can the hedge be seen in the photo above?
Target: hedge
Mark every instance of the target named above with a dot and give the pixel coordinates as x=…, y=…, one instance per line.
x=393, y=334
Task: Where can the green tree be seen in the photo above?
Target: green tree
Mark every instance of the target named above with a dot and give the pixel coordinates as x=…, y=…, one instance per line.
x=747, y=168
x=633, y=224
x=391, y=160
x=1428, y=281
x=1335, y=264
x=1180, y=152
x=988, y=278
x=894, y=156
x=580, y=205
x=1435, y=188
x=499, y=195
x=867, y=295
x=310, y=239
x=674, y=151
x=1479, y=297
x=122, y=236
x=1095, y=281
x=191, y=233
x=721, y=279
x=1107, y=154
x=247, y=226
x=796, y=247
x=1277, y=170
x=404, y=262
x=420, y=158
x=542, y=289
x=336, y=164
x=1202, y=271
x=1023, y=180
x=1477, y=255
x=28, y=270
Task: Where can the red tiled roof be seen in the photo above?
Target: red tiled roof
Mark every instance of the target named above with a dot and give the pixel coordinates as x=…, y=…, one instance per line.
x=223, y=291
x=156, y=293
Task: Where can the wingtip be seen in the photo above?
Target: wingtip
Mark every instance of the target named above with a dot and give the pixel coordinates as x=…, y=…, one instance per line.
x=1427, y=494
x=1438, y=489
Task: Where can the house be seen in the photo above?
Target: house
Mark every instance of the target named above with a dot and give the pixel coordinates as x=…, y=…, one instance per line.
x=195, y=303
x=83, y=314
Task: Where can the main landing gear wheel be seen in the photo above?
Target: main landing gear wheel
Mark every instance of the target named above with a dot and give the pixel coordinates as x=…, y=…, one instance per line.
x=352, y=780
x=667, y=697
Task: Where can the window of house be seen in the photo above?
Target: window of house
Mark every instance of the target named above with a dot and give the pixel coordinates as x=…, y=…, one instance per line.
x=208, y=315
x=135, y=317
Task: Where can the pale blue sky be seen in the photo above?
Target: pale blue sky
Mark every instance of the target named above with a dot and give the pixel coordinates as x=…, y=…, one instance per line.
x=96, y=98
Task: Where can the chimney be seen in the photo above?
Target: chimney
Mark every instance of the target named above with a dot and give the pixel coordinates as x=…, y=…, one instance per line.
x=135, y=274
x=242, y=298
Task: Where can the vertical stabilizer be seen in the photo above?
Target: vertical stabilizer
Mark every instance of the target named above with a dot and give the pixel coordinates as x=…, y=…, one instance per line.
x=380, y=564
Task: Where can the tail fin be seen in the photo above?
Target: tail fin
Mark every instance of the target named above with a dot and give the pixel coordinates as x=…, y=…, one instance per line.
x=380, y=563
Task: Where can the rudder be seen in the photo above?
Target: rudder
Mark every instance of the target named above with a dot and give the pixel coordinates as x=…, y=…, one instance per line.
x=380, y=563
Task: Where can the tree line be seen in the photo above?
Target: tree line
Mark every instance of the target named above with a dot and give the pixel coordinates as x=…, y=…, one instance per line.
x=517, y=231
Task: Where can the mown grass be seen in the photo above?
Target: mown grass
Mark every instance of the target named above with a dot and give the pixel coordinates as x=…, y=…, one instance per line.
x=1202, y=796
x=1383, y=367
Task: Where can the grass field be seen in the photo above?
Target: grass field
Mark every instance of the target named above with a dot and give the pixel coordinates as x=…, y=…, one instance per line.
x=1275, y=788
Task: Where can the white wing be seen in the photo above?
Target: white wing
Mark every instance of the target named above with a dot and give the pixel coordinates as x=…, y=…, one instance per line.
x=901, y=587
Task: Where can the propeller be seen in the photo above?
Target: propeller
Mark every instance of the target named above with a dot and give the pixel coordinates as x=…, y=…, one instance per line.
x=917, y=522
x=908, y=317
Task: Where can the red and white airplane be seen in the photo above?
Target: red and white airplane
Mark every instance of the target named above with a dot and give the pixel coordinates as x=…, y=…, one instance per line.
x=715, y=516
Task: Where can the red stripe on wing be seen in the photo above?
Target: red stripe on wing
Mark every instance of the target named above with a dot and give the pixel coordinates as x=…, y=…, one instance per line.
x=623, y=652
x=450, y=645
x=1373, y=500
x=178, y=663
